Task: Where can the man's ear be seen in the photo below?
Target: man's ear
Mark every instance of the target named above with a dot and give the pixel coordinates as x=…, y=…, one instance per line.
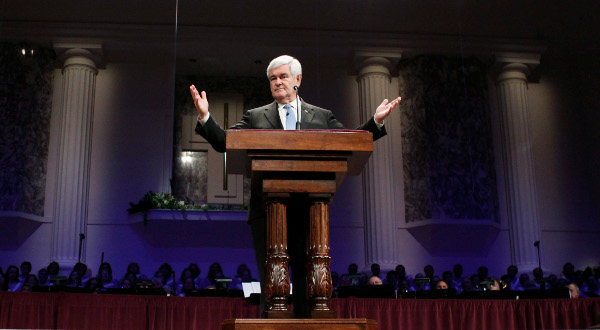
x=299, y=77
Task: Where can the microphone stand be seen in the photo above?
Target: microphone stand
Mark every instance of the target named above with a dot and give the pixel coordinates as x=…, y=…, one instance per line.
x=543, y=281
x=81, y=238
x=297, y=109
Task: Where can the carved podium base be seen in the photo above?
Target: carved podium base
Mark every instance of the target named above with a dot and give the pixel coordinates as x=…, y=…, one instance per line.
x=300, y=324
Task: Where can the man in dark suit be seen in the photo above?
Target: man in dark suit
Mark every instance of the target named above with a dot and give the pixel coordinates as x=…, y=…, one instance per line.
x=285, y=75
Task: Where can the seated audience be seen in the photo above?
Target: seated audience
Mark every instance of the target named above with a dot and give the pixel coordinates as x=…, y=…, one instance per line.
x=391, y=279
x=74, y=279
x=512, y=278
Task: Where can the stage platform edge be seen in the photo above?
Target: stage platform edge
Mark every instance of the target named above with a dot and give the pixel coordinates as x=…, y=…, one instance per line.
x=300, y=324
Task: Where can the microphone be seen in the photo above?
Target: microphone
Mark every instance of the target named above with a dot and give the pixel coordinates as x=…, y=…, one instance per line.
x=297, y=109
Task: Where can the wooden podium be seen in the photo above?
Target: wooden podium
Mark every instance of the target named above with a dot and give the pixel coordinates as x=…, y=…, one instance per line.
x=287, y=165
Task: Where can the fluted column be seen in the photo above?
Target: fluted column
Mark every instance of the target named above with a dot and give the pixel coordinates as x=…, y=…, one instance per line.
x=374, y=79
x=74, y=150
x=523, y=220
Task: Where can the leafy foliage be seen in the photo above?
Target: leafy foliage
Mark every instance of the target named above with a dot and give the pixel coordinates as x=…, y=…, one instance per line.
x=167, y=201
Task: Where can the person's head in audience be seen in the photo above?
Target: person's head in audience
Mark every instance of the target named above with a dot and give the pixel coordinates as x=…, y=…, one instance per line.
x=241, y=269
x=25, y=268
x=375, y=270
x=448, y=277
x=440, y=285
x=159, y=275
x=391, y=278
x=195, y=269
x=186, y=273
x=81, y=269
x=578, y=278
x=53, y=269
x=32, y=280
x=247, y=275
x=166, y=271
x=105, y=272
x=215, y=271
x=94, y=284
x=352, y=269
x=568, y=271
x=43, y=276
x=525, y=282
x=512, y=271
x=12, y=274
x=457, y=271
x=428, y=271
x=553, y=281
x=132, y=277
x=475, y=281
x=374, y=280
x=74, y=279
x=134, y=268
x=482, y=272
x=573, y=290
x=401, y=272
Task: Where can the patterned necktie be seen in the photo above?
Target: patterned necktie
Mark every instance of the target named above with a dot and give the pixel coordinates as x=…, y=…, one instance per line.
x=290, y=118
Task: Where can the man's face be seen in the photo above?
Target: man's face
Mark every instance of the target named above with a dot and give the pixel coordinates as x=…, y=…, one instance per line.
x=574, y=291
x=282, y=84
x=441, y=285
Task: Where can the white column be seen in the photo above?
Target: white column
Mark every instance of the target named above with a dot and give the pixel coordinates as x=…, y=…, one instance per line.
x=521, y=196
x=374, y=80
x=74, y=150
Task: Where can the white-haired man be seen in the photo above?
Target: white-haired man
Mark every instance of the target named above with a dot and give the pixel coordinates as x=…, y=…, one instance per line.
x=285, y=76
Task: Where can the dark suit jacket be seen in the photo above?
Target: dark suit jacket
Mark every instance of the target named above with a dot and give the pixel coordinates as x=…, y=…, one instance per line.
x=267, y=117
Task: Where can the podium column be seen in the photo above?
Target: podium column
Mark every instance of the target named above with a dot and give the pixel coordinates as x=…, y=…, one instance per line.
x=374, y=80
x=523, y=220
x=277, y=286
x=74, y=150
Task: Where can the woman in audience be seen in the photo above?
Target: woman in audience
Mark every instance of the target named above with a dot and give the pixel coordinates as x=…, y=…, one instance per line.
x=216, y=272
x=25, y=270
x=12, y=279
x=74, y=280
x=43, y=277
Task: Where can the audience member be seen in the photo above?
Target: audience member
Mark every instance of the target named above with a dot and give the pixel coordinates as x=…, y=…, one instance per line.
x=573, y=290
x=53, y=269
x=590, y=286
x=429, y=273
x=539, y=280
x=32, y=280
x=374, y=280
x=448, y=277
x=482, y=272
x=12, y=279
x=25, y=270
x=513, y=279
x=440, y=285
x=105, y=276
x=215, y=272
x=568, y=272
x=391, y=278
x=43, y=277
x=74, y=279
x=376, y=270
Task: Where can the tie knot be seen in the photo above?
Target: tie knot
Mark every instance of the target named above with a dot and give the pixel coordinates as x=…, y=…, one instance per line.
x=287, y=107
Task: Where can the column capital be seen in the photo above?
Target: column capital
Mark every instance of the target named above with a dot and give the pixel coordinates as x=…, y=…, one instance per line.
x=515, y=65
x=371, y=58
x=92, y=51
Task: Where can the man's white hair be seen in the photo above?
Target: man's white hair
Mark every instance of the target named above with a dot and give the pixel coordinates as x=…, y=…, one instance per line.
x=295, y=67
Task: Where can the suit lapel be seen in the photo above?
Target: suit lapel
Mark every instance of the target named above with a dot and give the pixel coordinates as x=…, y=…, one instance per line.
x=308, y=114
x=272, y=116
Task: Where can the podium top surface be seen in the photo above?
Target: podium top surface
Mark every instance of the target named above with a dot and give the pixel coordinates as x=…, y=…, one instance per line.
x=353, y=145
